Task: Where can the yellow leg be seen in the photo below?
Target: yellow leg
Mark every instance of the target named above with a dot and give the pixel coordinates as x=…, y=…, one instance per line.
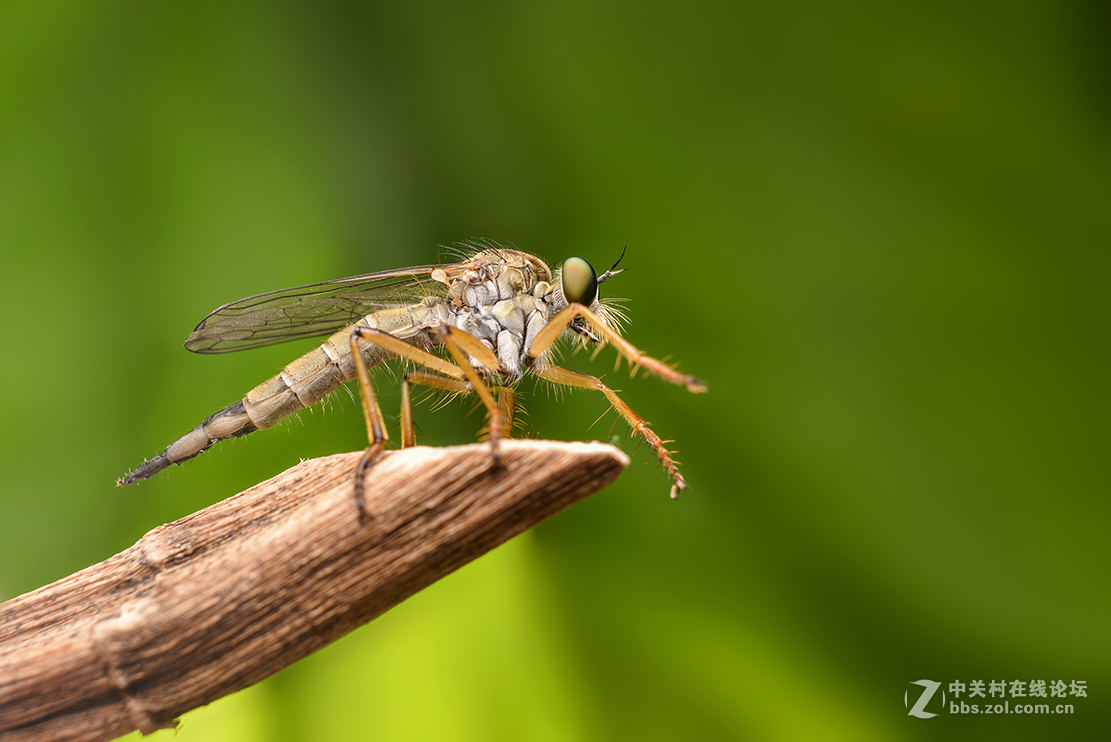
x=376, y=426
x=558, y=323
x=408, y=436
x=375, y=423
x=458, y=386
x=506, y=401
x=567, y=377
x=457, y=341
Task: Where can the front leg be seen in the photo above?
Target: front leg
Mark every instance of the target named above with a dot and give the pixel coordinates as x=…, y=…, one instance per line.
x=566, y=377
x=636, y=358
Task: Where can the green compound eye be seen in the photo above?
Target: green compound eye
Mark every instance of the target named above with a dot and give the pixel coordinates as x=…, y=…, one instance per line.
x=580, y=282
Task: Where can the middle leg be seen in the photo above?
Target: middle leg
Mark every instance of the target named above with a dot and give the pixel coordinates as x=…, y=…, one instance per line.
x=461, y=344
x=567, y=377
x=457, y=341
x=506, y=401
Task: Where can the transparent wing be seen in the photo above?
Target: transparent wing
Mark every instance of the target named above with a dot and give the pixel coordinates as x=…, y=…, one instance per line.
x=312, y=310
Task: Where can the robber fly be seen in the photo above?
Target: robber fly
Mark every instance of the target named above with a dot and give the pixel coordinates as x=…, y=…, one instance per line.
x=497, y=313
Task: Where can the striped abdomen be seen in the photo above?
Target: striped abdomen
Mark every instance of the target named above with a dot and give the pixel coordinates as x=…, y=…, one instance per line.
x=301, y=384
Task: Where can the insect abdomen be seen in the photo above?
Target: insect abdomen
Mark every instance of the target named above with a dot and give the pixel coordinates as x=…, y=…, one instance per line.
x=299, y=385
x=307, y=380
x=230, y=422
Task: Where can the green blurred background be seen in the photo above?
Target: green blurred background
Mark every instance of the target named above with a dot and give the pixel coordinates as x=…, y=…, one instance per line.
x=880, y=232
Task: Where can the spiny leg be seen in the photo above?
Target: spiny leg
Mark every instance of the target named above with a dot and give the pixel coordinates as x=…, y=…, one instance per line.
x=506, y=401
x=566, y=316
x=424, y=378
x=408, y=436
x=375, y=423
x=567, y=377
x=458, y=342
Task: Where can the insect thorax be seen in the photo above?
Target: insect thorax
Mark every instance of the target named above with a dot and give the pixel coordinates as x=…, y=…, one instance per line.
x=504, y=300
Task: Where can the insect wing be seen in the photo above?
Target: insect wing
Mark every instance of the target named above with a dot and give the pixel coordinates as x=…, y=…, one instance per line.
x=313, y=310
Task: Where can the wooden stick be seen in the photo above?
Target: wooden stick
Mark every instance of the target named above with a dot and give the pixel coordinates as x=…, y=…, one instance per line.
x=227, y=596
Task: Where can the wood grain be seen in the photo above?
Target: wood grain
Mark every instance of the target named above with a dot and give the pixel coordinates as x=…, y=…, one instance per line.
x=218, y=600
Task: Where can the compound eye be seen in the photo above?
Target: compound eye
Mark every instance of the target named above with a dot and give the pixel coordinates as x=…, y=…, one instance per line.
x=580, y=282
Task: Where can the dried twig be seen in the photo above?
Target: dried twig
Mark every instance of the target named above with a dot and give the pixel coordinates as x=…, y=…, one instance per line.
x=222, y=598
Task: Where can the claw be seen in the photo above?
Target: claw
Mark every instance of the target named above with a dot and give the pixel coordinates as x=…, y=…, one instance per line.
x=368, y=458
